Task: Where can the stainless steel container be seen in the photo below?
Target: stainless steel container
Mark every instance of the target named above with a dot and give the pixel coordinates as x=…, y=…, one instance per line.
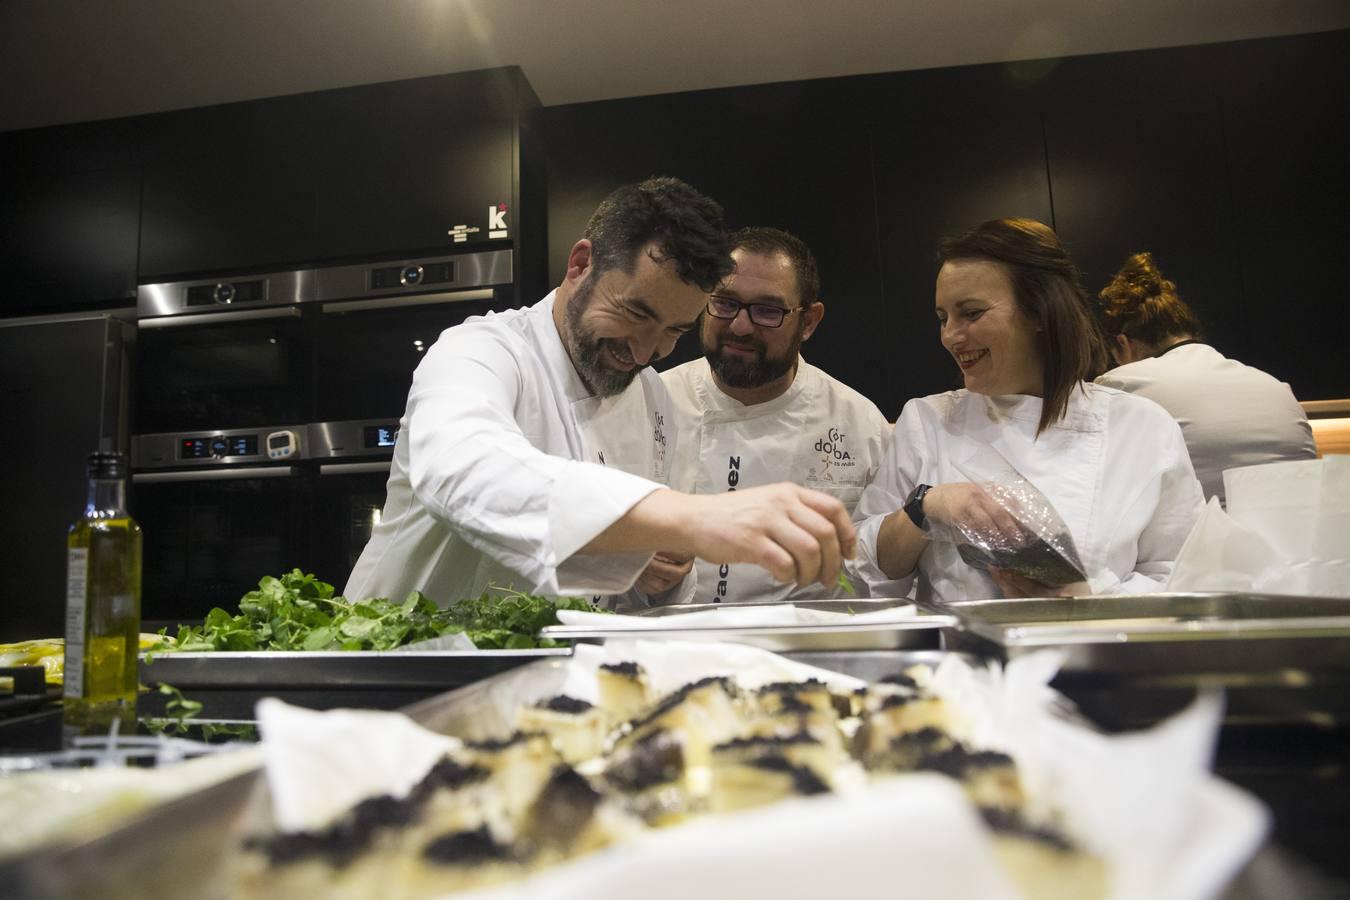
x=920, y=631
x=1131, y=659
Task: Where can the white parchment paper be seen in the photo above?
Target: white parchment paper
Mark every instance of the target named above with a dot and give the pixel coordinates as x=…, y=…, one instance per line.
x=1145, y=802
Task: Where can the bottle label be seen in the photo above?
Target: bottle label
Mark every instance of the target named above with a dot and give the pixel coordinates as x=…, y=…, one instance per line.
x=77, y=577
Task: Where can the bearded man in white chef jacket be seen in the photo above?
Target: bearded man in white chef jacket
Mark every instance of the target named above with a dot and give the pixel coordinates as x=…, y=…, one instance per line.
x=753, y=412
x=535, y=443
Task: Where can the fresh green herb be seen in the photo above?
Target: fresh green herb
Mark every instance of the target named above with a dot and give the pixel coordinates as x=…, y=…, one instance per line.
x=179, y=707
x=506, y=619
x=844, y=582
x=241, y=731
x=177, y=710
x=299, y=612
x=180, y=719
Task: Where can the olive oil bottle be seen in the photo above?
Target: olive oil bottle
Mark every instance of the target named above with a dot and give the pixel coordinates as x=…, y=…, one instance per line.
x=103, y=603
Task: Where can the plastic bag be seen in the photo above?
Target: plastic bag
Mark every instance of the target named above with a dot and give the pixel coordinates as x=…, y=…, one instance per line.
x=1044, y=552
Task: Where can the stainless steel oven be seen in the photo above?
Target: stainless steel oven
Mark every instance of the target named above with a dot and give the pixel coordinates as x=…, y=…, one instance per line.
x=217, y=513
x=352, y=460
x=266, y=413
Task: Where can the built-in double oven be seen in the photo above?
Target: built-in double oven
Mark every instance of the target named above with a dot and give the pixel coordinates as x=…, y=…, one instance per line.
x=266, y=412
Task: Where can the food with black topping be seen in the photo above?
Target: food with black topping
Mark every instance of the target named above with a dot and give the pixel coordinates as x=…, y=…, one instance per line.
x=570, y=781
x=576, y=727
x=624, y=691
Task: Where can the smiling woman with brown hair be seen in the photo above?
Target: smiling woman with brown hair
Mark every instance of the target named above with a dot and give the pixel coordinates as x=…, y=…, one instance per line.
x=1013, y=315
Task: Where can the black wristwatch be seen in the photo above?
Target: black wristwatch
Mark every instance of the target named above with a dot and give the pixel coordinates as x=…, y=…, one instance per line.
x=914, y=504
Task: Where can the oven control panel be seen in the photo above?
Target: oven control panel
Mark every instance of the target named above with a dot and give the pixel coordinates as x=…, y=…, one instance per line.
x=218, y=448
x=377, y=437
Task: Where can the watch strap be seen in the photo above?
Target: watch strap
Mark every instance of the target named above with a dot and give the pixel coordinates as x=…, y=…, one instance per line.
x=914, y=505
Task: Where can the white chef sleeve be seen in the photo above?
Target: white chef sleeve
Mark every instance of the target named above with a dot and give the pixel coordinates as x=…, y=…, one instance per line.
x=1177, y=500
x=899, y=472
x=473, y=467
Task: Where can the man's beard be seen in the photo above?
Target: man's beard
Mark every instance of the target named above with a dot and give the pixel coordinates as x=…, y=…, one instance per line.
x=587, y=350
x=750, y=372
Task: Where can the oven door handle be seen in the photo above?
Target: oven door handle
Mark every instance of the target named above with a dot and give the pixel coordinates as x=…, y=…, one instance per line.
x=214, y=474
x=238, y=315
x=345, y=306
x=360, y=468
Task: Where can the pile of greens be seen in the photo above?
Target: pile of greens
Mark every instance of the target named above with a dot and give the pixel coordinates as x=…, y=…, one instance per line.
x=299, y=612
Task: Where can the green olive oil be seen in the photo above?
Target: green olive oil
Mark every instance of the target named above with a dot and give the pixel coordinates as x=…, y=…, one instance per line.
x=103, y=603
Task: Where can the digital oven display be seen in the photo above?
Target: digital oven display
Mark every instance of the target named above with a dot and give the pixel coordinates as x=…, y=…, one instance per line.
x=381, y=436
x=218, y=447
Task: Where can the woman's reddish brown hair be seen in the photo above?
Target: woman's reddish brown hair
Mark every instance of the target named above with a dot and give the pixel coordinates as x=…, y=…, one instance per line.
x=1049, y=291
x=1144, y=306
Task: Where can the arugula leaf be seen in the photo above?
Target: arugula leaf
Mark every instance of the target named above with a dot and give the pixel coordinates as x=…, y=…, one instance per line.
x=844, y=582
x=297, y=611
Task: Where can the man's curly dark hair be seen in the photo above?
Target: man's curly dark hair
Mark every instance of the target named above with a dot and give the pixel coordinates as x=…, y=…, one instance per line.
x=685, y=226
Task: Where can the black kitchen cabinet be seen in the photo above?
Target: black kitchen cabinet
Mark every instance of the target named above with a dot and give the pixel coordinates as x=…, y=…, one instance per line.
x=750, y=151
x=937, y=176
x=400, y=165
x=384, y=169
x=63, y=388
x=228, y=187
x=68, y=219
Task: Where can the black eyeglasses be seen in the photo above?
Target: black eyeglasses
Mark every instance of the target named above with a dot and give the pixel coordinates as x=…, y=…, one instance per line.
x=764, y=314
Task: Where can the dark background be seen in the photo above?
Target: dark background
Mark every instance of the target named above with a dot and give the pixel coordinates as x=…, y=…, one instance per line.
x=1228, y=161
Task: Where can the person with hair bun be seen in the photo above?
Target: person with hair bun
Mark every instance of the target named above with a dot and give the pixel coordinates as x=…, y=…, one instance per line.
x=1013, y=315
x=1230, y=414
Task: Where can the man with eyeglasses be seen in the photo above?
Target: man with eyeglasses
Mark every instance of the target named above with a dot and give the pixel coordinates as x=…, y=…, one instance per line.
x=753, y=412
x=534, y=448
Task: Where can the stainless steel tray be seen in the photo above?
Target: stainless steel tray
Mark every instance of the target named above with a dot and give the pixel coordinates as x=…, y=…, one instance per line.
x=182, y=847
x=333, y=670
x=1234, y=628
x=874, y=665
x=920, y=632
x=1130, y=660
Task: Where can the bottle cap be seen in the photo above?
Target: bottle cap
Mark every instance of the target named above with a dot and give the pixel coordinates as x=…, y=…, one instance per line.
x=107, y=464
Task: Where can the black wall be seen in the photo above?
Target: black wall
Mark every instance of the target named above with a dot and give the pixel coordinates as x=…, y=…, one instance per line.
x=1230, y=162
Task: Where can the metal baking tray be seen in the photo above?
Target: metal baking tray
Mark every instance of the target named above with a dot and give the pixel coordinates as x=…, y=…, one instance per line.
x=183, y=846
x=920, y=632
x=333, y=670
x=1130, y=660
x=1168, y=632
x=874, y=665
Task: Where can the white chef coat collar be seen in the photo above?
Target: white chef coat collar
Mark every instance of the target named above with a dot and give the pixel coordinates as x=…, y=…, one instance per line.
x=1079, y=416
x=722, y=407
x=551, y=345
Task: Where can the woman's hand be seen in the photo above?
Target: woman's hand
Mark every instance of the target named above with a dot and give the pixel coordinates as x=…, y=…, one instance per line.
x=968, y=508
x=1013, y=586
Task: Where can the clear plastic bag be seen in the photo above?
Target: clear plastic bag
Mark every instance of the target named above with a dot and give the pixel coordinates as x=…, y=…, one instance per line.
x=1043, y=552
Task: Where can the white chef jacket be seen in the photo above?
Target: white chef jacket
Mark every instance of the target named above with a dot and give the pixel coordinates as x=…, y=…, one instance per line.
x=1115, y=468
x=820, y=433
x=1230, y=414
x=506, y=465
